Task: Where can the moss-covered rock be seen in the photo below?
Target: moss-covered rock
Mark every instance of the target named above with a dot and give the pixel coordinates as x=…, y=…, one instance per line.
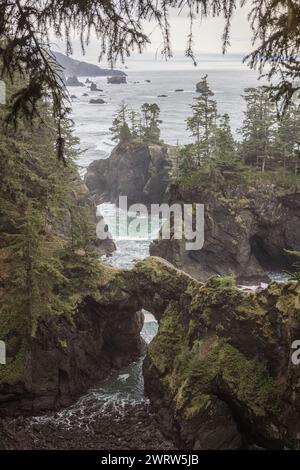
x=219, y=372
x=222, y=357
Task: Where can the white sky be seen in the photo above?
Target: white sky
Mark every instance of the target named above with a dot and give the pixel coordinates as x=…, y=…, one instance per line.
x=207, y=33
x=207, y=36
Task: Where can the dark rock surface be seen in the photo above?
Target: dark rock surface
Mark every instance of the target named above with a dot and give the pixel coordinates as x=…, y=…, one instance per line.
x=247, y=229
x=136, y=170
x=219, y=372
x=134, y=427
x=68, y=355
x=97, y=101
x=94, y=87
x=116, y=79
x=86, y=199
x=73, y=81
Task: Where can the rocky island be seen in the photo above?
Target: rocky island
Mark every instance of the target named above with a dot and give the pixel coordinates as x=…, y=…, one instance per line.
x=135, y=169
x=116, y=79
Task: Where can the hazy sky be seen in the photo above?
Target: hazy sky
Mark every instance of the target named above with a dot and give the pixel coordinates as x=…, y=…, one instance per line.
x=207, y=35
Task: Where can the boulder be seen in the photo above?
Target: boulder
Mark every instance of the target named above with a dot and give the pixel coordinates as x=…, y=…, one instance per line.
x=116, y=79
x=94, y=87
x=69, y=354
x=73, y=81
x=96, y=101
x=219, y=372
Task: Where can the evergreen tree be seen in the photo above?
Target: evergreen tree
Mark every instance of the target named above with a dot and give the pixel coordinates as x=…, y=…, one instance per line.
x=120, y=129
x=225, y=147
x=151, y=122
x=202, y=123
x=258, y=129
x=225, y=156
x=37, y=197
x=287, y=138
x=135, y=124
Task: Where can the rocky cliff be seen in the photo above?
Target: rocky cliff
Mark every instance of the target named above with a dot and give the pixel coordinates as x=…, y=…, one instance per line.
x=248, y=227
x=65, y=355
x=137, y=170
x=219, y=372
x=249, y=224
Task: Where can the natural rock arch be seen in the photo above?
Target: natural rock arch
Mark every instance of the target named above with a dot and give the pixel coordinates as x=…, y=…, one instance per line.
x=218, y=372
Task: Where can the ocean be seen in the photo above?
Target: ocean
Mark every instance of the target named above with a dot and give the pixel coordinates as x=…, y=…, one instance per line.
x=227, y=76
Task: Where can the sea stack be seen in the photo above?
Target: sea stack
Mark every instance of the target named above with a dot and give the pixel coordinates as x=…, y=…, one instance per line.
x=115, y=80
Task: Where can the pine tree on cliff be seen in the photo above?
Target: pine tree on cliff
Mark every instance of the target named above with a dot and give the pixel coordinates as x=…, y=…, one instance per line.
x=259, y=127
x=135, y=124
x=120, y=129
x=225, y=146
x=151, y=122
x=287, y=139
x=202, y=123
x=225, y=155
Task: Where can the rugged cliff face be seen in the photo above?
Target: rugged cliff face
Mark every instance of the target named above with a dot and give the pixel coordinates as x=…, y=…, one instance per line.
x=248, y=224
x=247, y=229
x=51, y=362
x=136, y=170
x=66, y=355
x=219, y=372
